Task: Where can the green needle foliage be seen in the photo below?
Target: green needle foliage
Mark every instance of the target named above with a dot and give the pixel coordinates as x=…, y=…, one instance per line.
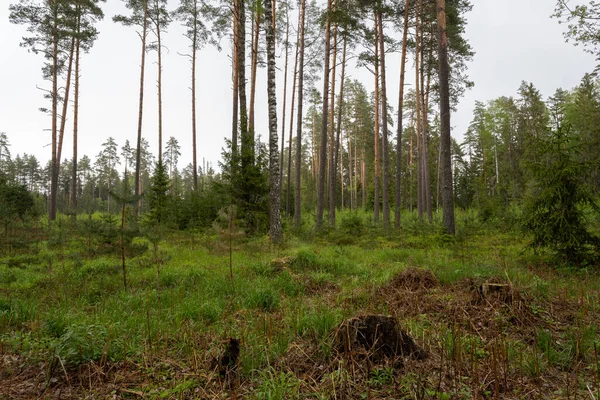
x=555, y=213
x=158, y=198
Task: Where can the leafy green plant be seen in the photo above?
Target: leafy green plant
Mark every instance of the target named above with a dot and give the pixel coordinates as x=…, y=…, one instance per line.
x=227, y=229
x=382, y=376
x=277, y=385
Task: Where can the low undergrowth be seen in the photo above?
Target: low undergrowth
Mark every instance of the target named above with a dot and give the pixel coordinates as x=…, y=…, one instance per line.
x=494, y=321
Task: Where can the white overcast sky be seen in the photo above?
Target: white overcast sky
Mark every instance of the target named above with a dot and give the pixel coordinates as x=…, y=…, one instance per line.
x=514, y=40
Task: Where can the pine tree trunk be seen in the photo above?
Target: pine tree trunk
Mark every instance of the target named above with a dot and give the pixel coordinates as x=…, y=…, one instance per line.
x=384, y=122
x=283, y=109
x=65, y=108
x=274, y=193
x=376, y=131
x=425, y=108
x=289, y=164
x=160, y=125
x=399, y=127
x=338, y=127
x=325, y=113
x=138, y=156
x=235, y=103
x=331, y=116
x=194, y=51
x=54, y=164
x=418, y=114
x=297, y=197
x=254, y=63
x=247, y=145
x=445, y=139
x=75, y=121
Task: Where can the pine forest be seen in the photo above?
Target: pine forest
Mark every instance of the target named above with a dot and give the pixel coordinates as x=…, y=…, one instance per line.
x=310, y=199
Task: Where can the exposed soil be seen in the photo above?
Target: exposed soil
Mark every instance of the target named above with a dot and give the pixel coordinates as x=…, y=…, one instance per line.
x=377, y=337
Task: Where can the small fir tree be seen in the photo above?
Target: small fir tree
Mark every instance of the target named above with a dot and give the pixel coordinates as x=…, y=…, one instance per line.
x=555, y=211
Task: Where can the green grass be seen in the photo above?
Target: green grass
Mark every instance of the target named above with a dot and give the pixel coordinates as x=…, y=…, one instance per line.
x=63, y=302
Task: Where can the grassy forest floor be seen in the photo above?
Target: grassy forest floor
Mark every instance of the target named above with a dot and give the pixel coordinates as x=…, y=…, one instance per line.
x=490, y=319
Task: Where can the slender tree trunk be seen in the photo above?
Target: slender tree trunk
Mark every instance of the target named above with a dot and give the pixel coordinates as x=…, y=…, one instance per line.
x=363, y=179
x=384, y=122
x=289, y=164
x=54, y=164
x=331, y=116
x=424, y=160
x=338, y=127
x=194, y=51
x=427, y=178
x=297, y=197
x=75, y=122
x=65, y=107
x=418, y=116
x=283, y=118
x=325, y=113
x=315, y=156
x=274, y=193
x=398, y=197
x=445, y=139
x=350, y=171
x=235, y=105
x=254, y=63
x=160, y=125
x=138, y=156
x=247, y=137
x=376, y=132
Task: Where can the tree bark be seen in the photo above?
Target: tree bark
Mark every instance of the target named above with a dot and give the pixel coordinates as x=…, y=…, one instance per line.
x=65, y=108
x=75, y=121
x=274, y=193
x=325, y=113
x=297, y=197
x=398, y=197
x=384, y=123
x=235, y=105
x=254, y=63
x=53, y=164
x=331, y=116
x=138, y=156
x=194, y=51
x=418, y=114
x=445, y=139
x=376, y=136
x=159, y=50
x=339, y=129
x=247, y=145
x=283, y=118
x=425, y=145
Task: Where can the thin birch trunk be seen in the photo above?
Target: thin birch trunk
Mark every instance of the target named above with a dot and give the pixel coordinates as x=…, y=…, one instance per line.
x=274, y=193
